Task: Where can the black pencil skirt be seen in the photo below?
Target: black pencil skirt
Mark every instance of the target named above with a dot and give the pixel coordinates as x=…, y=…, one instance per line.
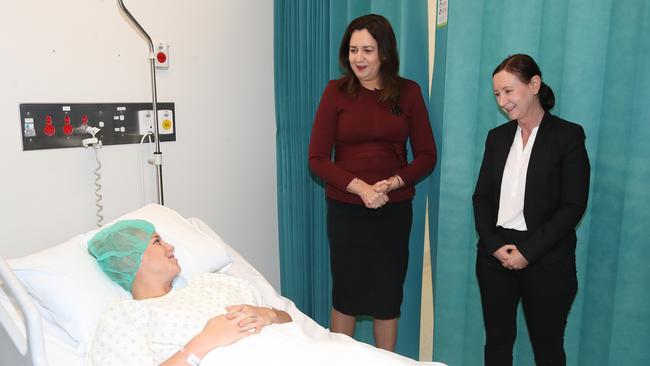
x=368, y=257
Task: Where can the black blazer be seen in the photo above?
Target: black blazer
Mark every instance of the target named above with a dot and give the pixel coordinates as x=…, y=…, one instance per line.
x=557, y=187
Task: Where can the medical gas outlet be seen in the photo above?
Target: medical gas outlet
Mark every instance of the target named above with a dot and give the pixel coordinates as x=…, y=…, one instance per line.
x=65, y=125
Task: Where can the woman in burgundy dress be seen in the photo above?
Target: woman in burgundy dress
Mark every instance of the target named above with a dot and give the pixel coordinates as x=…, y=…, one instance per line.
x=358, y=148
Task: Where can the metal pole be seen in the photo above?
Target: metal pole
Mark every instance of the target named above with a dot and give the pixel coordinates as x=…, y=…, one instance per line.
x=157, y=155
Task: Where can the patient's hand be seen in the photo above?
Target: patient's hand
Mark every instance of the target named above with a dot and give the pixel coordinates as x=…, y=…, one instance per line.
x=222, y=330
x=218, y=331
x=255, y=316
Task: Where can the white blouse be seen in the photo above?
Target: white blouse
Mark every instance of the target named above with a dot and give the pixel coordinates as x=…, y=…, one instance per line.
x=513, y=183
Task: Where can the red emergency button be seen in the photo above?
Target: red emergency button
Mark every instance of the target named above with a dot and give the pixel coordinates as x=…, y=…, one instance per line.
x=161, y=57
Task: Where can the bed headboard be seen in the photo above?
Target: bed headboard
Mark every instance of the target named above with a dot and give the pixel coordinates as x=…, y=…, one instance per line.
x=18, y=348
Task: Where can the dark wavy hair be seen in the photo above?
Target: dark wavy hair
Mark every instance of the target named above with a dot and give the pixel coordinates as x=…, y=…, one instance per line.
x=382, y=32
x=525, y=68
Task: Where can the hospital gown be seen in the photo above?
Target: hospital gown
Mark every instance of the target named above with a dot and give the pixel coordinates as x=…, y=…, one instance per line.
x=148, y=332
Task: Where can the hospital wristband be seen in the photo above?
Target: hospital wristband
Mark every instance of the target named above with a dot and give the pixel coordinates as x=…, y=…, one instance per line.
x=192, y=359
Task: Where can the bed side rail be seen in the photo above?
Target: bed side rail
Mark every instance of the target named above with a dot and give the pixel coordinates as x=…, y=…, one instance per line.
x=32, y=349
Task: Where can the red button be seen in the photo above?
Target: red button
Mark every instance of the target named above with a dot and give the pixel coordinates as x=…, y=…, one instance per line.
x=161, y=57
x=67, y=129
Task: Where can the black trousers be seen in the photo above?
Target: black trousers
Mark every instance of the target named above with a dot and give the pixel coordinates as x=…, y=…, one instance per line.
x=546, y=291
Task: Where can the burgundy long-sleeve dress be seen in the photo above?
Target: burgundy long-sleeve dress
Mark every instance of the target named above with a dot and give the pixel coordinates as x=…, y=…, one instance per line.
x=363, y=138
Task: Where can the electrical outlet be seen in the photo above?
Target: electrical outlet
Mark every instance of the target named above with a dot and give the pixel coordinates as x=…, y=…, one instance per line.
x=145, y=122
x=165, y=122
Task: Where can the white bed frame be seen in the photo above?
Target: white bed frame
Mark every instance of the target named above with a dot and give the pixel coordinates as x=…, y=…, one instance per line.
x=20, y=346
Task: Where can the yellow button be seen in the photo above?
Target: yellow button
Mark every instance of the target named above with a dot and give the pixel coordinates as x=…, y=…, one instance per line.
x=167, y=124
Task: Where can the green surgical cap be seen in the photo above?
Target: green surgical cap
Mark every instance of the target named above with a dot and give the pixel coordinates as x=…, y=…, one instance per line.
x=119, y=248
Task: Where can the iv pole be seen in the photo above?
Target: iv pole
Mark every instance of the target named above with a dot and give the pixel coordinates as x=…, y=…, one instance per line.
x=157, y=155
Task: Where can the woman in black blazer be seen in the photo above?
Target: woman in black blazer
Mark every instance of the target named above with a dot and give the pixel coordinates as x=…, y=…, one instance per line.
x=531, y=192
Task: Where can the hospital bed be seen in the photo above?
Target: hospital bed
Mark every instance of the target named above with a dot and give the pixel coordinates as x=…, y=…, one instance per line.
x=51, y=301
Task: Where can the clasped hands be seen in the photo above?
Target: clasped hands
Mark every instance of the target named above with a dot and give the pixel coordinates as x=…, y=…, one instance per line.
x=376, y=195
x=240, y=321
x=510, y=257
x=251, y=318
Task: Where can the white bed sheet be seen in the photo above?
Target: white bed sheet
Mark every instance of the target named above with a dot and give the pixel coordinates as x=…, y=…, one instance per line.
x=307, y=338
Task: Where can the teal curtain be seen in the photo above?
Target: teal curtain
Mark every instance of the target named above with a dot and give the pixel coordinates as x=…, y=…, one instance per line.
x=595, y=56
x=307, y=37
x=302, y=54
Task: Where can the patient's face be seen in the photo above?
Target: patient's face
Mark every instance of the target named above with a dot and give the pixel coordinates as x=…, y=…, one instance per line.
x=159, y=260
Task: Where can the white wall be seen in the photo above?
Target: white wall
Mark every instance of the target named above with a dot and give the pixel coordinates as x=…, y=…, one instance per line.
x=221, y=168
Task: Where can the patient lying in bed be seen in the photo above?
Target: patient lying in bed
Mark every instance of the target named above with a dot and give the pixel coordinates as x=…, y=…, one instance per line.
x=169, y=321
x=91, y=319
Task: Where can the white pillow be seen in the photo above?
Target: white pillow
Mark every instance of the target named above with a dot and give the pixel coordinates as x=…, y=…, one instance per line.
x=67, y=282
x=69, y=286
x=197, y=252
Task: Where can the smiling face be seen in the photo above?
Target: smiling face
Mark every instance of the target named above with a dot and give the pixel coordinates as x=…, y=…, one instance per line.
x=364, y=58
x=516, y=98
x=158, y=259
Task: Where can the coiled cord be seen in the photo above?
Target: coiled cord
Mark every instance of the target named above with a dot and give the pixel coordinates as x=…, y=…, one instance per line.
x=98, y=187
